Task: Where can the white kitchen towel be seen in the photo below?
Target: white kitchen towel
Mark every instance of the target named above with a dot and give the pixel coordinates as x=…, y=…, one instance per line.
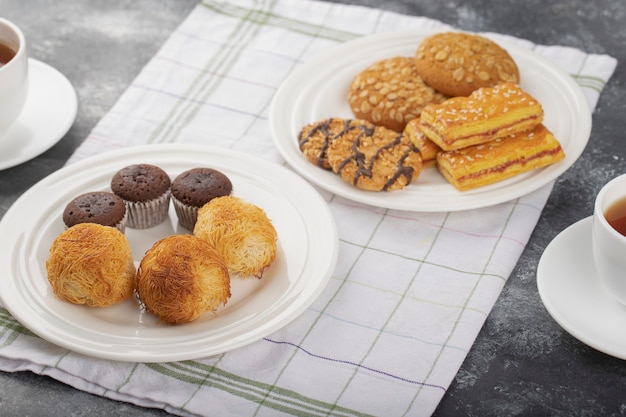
x=410, y=291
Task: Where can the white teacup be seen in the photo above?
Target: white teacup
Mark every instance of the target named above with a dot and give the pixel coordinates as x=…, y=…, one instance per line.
x=13, y=74
x=609, y=245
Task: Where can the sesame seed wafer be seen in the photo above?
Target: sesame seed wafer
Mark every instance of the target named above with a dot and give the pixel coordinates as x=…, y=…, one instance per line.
x=486, y=114
x=501, y=158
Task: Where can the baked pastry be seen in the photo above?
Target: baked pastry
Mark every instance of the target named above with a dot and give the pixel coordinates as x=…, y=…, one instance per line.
x=390, y=92
x=377, y=160
x=428, y=149
x=145, y=189
x=182, y=277
x=194, y=188
x=91, y=264
x=99, y=207
x=241, y=232
x=314, y=138
x=502, y=158
x=488, y=113
x=456, y=64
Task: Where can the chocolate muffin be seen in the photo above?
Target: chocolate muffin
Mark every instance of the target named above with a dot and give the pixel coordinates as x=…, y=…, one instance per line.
x=145, y=189
x=194, y=188
x=99, y=207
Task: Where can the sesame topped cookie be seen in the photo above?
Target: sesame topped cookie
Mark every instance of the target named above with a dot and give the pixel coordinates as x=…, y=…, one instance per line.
x=457, y=64
x=390, y=93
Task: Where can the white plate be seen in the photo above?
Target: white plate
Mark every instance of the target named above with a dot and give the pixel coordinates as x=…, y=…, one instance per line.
x=307, y=253
x=48, y=114
x=567, y=284
x=318, y=89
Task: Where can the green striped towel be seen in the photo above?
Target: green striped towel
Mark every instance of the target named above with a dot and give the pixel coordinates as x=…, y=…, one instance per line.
x=410, y=291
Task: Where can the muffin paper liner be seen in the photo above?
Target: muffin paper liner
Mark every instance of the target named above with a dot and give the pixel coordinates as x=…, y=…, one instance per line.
x=187, y=215
x=146, y=214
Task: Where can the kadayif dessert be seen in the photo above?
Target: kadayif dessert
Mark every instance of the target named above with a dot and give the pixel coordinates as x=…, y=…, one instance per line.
x=91, y=264
x=241, y=232
x=181, y=277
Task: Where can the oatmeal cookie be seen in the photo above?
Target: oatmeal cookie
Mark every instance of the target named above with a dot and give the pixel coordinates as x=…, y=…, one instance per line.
x=457, y=64
x=377, y=160
x=315, y=137
x=390, y=93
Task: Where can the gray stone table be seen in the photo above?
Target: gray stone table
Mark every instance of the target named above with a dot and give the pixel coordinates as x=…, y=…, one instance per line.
x=522, y=363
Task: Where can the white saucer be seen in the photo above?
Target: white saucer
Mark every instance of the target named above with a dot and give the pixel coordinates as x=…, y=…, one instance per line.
x=573, y=295
x=48, y=114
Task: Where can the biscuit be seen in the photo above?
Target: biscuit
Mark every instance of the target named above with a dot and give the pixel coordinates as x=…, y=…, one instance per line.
x=457, y=63
x=488, y=113
x=377, y=160
x=314, y=138
x=428, y=149
x=502, y=158
x=390, y=92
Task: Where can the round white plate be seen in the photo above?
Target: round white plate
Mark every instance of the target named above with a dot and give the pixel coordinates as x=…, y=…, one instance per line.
x=307, y=253
x=568, y=287
x=48, y=114
x=318, y=89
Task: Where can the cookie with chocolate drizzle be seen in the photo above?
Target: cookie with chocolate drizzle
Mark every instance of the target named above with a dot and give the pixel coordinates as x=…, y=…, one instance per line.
x=377, y=159
x=314, y=138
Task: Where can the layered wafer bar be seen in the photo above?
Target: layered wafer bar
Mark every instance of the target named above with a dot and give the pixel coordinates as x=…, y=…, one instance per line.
x=487, y=114
x=501, y=158
x=428, y=149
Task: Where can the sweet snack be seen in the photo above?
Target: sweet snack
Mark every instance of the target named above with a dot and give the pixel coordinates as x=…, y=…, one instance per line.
x=456, y=64
x=502, y=158
x=377, y=160
x=91, y=264
x=99, y=207
x=182, y=277
x=145, y=189
x=428, y=149
x=390, y=92
x=488, y=113
x=314, y=138
x=194, y=188
x=241, y=232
